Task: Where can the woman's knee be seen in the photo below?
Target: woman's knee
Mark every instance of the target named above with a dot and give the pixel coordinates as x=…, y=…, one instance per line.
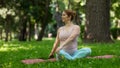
x=88, y=50
x=62, y=52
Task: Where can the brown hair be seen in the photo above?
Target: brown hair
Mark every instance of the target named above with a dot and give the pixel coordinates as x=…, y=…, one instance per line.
x=70, y=13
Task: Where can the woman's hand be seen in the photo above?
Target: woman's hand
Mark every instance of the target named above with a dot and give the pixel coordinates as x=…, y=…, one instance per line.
x=51, y=55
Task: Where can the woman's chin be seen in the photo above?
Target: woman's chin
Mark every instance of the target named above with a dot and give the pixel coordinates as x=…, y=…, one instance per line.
x=63, y=21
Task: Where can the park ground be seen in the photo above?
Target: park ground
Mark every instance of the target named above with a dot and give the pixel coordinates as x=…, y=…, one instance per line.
x=11, y=54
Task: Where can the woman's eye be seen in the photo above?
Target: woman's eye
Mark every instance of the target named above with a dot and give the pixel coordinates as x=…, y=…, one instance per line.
x=63, y=15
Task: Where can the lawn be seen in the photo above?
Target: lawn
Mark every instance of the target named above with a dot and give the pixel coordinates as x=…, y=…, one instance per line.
x=11, y=54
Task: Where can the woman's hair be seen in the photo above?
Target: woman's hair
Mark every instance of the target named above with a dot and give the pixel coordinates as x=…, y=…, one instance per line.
x=70, y=13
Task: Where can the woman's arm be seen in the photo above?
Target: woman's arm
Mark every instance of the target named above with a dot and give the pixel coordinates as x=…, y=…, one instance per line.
x=56, y=43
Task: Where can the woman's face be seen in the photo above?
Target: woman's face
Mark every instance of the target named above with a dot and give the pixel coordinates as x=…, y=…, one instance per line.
x=65, y=17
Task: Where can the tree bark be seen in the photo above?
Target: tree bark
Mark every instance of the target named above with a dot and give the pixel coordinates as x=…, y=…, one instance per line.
x=30, y=26
x=97, y=26
x=0, y=33
x=10, y=34
x=23, y=25
x=45, y=21
x=8, y=21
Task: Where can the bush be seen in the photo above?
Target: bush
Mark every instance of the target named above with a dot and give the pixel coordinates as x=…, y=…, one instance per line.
x=82, y=31
x=115, y=32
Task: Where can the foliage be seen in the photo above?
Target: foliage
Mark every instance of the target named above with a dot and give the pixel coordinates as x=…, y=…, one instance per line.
x=24, y=11
x=34, y=10
x=115, y=32
x=11, y=54
x=115, y=9
x=82, y=28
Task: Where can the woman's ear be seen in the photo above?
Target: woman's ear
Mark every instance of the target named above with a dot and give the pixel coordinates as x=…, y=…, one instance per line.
x=69, y=17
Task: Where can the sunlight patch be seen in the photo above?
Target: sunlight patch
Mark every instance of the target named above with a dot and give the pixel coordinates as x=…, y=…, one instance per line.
x=5, y=44
x=3, y=49
x=83, y=46
x=13, y=48
x=48, y=38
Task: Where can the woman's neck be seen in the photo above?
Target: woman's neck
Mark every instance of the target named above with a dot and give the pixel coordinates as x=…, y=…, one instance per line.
x=68, y=23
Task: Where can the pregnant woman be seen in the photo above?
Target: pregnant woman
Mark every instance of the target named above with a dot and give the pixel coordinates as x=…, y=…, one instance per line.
x=67, y=39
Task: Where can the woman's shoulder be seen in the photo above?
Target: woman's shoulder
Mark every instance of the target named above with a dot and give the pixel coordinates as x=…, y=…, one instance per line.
x=61, y=28
x=76, y=26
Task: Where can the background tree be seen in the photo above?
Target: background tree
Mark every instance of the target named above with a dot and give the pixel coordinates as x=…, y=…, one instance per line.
x=45, y=19
x=115, y=18
x=22, y=19
x=97, y=26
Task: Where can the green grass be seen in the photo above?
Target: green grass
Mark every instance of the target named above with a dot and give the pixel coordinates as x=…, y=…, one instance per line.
x=11, y=54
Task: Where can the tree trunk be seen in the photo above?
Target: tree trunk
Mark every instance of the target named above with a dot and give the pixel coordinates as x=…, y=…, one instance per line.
x=0, y=33
x=22, y=35
x=30, y=31
x=7, y=26
x=41, y=34
x=97, y=26
x=69, y=4
x=10, y=34
x=45, y=22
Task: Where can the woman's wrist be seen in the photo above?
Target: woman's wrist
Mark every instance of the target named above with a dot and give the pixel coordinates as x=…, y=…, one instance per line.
x=52, y=52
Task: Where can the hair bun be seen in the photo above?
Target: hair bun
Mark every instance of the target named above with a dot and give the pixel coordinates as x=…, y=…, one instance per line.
x=74, y=13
